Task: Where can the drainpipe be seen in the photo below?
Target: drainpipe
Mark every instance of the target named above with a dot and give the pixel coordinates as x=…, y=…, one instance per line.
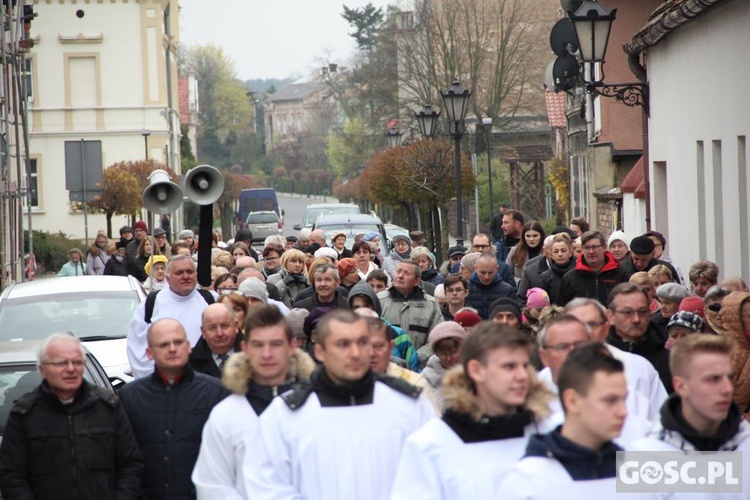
x=634, y=63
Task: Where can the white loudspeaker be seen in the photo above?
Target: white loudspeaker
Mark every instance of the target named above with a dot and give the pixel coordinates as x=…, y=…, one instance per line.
x=162, y=196
x=203, y=184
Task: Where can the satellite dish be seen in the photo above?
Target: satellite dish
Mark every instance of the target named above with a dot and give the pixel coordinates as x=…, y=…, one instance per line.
x=562, y=39
x=565, y=72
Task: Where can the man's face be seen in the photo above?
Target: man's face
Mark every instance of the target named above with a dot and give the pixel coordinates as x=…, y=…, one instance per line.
x=561, y=339
x=318, y=237
x=486, y=270
x=269, y=353
x=593, y=252
x=169, y=347
x=161, y=240
x=406, y=279
x=707, y=391
x=381, y=350
x=506, y=318
x=481, y=243
x=668, y=307
x=219, y=328
x=289, y=244
x=346, y=351
x=140, y=234
x=504, y=378
x=602, y=411
x=591, y=316
x=182, y=278
x=378, y=285
x=511, y=227
x=640, y=260
x=629, y=314
x=62, y=367
x=456, y=294
x=325, y=285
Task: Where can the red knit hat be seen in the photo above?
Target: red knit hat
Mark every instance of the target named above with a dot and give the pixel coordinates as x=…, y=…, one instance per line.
x=467, y=319
x=695, y=305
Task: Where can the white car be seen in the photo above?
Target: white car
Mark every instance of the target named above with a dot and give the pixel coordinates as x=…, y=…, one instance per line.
x=96, y=309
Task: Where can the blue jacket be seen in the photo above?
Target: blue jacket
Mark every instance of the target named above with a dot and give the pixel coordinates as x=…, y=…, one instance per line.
x=481, y=295
x=168, y=421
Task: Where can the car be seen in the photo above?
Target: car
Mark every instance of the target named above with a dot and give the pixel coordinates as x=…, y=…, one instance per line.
x=96, y=309
x=352, y=225
x=392, y=230
x=315, y=210
x=263, y=225
x=19, y=374
x=257, y=200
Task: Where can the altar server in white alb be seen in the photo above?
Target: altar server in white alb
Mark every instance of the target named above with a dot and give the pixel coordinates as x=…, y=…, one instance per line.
x=577, y=459
x=339, y=436
x=493, y=403
x=268, y=365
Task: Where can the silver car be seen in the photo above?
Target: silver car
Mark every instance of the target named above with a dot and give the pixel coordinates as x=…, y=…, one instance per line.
x=96, y=309
x=263, y=225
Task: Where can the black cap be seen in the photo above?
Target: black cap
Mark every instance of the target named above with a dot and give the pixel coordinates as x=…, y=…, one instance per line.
x=125, y=229
x=456, y=250
x=312, y=319
x=566, y=230
x=505, y=304
x=243, y=234
x=642, y=245
x=292, y=239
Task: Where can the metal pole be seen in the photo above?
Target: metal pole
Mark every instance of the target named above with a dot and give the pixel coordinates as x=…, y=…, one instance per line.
x=85, y=197
x=489, y=167
x=145, y=141
x=459, y=198
x=475, y=168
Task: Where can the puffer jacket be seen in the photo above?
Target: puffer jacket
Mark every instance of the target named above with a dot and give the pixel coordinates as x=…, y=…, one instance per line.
x=582, y=281
x=289, y=285
x=481, y=296
x=433, y=373
x=83, y=450
x=168, y=421
x=730, y=313
x=552, y=280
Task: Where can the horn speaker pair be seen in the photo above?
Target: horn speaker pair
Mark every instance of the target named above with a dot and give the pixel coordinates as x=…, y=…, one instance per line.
x=202, y=184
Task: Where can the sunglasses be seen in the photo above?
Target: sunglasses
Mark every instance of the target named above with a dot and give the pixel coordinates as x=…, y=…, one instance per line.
x=714, y=307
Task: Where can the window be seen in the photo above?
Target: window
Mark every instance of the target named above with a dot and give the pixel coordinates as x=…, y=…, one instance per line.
x=27, y=77
x=33, y=183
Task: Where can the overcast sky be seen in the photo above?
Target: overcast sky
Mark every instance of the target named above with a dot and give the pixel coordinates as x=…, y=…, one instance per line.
x=271, y=38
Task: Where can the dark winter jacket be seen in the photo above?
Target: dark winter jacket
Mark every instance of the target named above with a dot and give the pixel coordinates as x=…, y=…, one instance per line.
x=532, y=276
x=137, y=268
x=481, y=295
x=168, y=421
x=582, y=281
x=651, y=347
x=289, y=285
x=82, y=450
x=339, y=300
x=362, y=288
x=202, y=359
x=503, y=247
x=581, y=463
x=627, y=266
x=308, y=292
x=115, y=267
x=432, y=276
x=552, y=280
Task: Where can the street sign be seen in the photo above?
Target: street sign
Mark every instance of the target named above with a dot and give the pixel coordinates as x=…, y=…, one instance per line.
x=83, y=170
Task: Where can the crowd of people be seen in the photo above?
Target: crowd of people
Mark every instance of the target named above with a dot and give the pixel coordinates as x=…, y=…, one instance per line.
x=319, y=368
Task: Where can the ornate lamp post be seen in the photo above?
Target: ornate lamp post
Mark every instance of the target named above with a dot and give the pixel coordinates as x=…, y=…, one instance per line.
x=456, y=100
x=487, y=122
x=427, y=119
x=394, y=137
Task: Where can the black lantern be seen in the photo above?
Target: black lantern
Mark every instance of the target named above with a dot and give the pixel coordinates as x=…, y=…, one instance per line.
x=427, y=120
x=592, y=24
x=456, y=101
x=394, y=137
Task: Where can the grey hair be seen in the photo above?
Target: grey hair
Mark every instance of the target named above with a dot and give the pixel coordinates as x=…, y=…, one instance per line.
x=548, y=241
x=325, y=267
x=41, y=355
x=417, y=269
x=304, y=234
x=178, y=258
x=422, y=252
x=559, y=320
x=583, y=302
x=275, y=238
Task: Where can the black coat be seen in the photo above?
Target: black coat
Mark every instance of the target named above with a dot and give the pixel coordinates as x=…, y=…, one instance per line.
x=114, y=268
x=532, y=277
x=651, y=347
x=339, y=300
x=582, y=281
x=82, y=450
x=481, y=296
x=202, y=359
x=552, y=280
x=627, y=266
x=168, y=421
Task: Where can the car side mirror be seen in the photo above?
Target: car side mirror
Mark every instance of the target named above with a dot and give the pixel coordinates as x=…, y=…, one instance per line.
x=297, y=227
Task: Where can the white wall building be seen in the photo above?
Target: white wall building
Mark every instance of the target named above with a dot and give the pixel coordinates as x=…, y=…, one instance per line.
x=699, y=130
x=99, y=72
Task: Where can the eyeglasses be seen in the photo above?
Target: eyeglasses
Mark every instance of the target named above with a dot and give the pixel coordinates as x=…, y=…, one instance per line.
x=455, y=290
x=271, y=259
x=77, y=363
x=591, y=248
x=444, y=353
x=629, y=313
x=595, y=324
x=481, y=246
x=565, y=346
x=714, y=307
x=166, y=345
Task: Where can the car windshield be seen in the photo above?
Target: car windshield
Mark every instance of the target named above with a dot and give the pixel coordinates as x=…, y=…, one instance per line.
x=89, y=316
x=351, y=231
x=262, y=218
x=314, y=213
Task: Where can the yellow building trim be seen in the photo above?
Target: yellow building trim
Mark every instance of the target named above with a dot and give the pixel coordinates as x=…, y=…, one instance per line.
x=67, y=56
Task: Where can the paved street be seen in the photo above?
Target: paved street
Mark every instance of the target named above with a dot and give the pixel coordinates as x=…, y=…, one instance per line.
x=294, y=208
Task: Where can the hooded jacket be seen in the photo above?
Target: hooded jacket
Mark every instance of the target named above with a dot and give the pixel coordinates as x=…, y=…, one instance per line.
x=730, y=313
x=651, y=347
x=582, y=281
x=481, y=296
x=362, y=288
x=232, y=425
x=466, y=454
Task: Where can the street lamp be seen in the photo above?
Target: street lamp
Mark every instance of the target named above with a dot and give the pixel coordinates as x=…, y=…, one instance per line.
x=592, y=24
x=145, y=135
x=427, y=119
x=456, y=100
x=394, y=137
x=487, y=122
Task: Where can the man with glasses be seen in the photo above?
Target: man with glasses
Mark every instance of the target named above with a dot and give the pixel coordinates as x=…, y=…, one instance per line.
x=168, y=410
x=595, y=274
x=631, y=330
x=55, y=433
x=456, y=290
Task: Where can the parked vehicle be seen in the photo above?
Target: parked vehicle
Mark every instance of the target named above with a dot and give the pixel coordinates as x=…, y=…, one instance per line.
x=19, y=374
x=96, y=309
x=352, y=225
x=314, y=211
x=263, y=225
x=257, y=200
x=392, y=230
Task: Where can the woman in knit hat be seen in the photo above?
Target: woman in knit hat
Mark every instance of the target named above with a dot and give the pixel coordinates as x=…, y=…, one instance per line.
x=401, y=251
x=100, y=251
x=156, y=270
x=445, y=340
x=618, y=244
